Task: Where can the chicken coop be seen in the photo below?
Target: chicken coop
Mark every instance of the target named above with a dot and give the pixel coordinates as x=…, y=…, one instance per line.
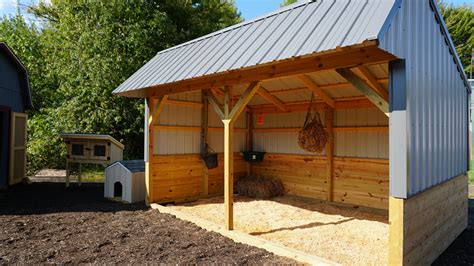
x=90, y=149
x=386, y=82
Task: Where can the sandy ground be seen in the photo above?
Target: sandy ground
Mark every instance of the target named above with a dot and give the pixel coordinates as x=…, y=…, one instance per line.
x=46, y=223
x=346, y=235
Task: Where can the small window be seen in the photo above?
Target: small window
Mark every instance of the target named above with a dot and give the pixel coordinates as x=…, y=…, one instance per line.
x=99, y=150
x=78, y=149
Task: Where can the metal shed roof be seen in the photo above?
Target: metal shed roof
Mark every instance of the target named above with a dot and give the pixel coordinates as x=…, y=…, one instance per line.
x=300, y=29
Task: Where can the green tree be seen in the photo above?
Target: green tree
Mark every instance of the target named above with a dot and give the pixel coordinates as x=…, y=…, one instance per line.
x=460, y=23
x=85, y=50
x=288, y=2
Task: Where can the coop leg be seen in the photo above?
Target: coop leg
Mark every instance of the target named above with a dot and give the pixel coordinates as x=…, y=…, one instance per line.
x=67, y=174
x=79, y=177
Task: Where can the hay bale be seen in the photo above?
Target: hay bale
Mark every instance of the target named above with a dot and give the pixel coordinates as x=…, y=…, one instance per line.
x=259, y=187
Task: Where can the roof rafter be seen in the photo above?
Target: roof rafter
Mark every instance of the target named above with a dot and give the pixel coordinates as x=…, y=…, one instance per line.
x=271, y=98
x=316, y=89
x=372, y=81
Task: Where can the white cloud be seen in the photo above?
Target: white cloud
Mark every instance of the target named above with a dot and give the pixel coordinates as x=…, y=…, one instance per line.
x=4, y=4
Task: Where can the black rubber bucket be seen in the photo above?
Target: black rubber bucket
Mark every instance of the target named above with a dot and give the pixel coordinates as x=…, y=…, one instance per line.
x=210, y=159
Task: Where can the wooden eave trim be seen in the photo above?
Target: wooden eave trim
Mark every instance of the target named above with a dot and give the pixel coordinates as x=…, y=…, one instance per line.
x=348, y=57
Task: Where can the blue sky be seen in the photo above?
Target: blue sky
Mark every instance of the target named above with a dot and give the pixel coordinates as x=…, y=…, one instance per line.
x=253, y=8
x=248, y=8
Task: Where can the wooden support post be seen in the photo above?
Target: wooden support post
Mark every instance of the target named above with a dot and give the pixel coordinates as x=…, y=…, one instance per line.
x=330, y=153
x=244, y=99
x=148, y=175
x=249, y=139
x=204, y=131
x=365, y=89
x=67, y=174
x=229, y=116
x=79, y=177
x=228, y=174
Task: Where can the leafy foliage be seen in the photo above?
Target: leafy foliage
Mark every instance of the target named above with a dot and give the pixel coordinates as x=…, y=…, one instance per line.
x=288, y=2
x=86, y=49
x=460, y=23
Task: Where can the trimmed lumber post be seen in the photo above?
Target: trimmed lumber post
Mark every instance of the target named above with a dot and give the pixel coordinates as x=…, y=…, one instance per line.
x=330, y=153
x=154, y=110
x=228, y=174
x=79, y=177
x=204, y=130
x=249, y=138
x=228, y=163
x=68, y=172
x=229, y=116
x=148, y=175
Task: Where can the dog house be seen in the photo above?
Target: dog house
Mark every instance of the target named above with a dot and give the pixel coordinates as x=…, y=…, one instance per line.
x=15, y=100
x=125, y=181
x=91, y=148
x=391, y=92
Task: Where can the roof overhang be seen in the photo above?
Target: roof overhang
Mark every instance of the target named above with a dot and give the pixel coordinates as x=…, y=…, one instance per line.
x=340, y=57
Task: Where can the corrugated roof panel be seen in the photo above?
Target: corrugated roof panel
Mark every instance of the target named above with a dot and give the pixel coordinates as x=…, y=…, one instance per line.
x=296, y=30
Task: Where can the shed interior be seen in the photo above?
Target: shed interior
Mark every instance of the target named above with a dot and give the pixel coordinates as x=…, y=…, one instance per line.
x=353, y=169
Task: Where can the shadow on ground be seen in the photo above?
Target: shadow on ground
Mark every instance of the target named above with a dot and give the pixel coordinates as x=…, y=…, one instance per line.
x=44, y=198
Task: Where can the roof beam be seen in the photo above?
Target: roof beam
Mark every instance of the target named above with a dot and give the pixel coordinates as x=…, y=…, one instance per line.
x=215, y=105
x=368, y=53
x=296, y=107
x=316, y=89
x=372, y=81
x=157, y=108
x=365, y=89
x=244, y=100
x=271, y=98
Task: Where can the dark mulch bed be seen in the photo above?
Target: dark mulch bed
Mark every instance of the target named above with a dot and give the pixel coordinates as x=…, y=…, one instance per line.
x=47, y=223
x=461, y=251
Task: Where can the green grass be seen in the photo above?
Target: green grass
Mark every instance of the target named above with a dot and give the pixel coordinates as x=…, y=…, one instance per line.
x=93, y=175
x=90, y=173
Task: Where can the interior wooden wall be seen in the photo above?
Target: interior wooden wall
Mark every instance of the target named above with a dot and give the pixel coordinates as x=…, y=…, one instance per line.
x=182, y=177
x=362, y=182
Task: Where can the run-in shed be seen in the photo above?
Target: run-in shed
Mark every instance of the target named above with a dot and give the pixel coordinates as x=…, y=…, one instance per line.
x=395, y=102
x=15, y=99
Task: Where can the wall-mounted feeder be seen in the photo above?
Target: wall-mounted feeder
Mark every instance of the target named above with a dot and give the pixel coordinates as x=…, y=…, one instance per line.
x=253, y=156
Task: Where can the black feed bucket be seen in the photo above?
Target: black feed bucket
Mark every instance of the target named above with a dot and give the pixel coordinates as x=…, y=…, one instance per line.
x=253, y=156
x=210, y=159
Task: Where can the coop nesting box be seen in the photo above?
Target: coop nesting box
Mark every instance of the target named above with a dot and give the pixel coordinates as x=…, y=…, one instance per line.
x=125, y=181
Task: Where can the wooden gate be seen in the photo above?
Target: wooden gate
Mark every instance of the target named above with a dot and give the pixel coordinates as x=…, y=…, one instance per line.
x=18, y=148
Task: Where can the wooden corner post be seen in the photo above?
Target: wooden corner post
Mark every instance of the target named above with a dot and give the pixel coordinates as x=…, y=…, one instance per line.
x=228, y=116
x=154, y=109
x=330, y=153
x=204, y=131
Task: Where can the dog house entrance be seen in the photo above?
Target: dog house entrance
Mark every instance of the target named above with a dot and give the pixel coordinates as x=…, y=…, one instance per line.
x=117, y=190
